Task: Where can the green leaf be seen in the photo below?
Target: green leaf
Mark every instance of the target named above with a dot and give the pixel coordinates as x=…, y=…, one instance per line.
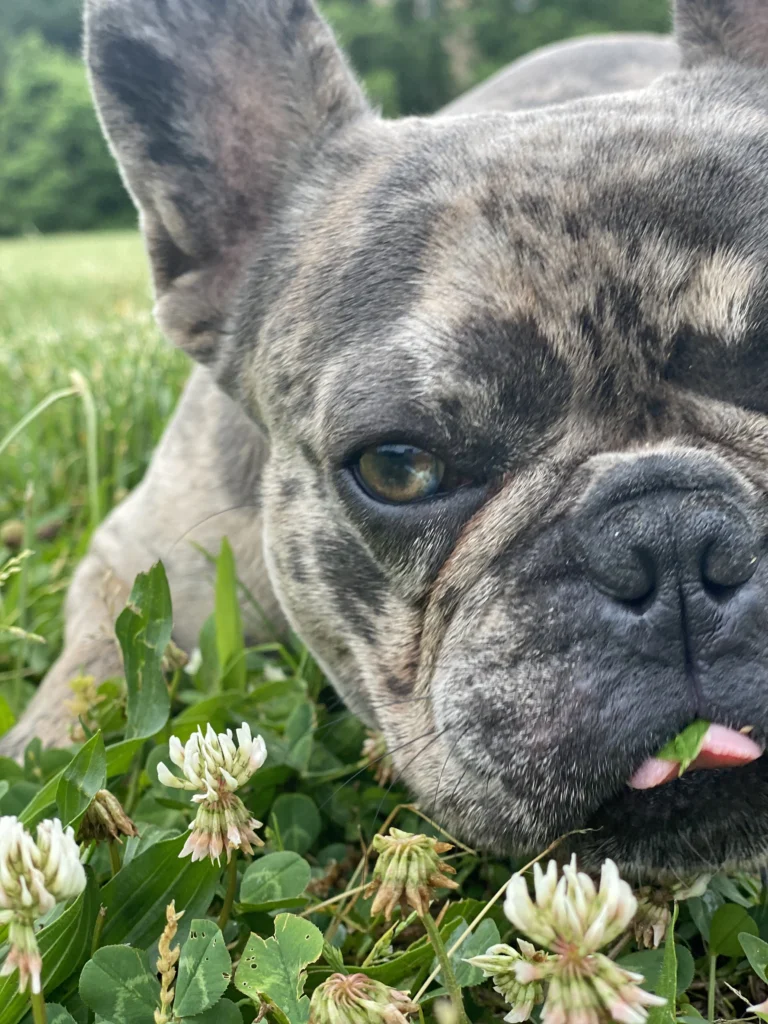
x=275, y=969
x=298, y=821
x=117, y=984
x=64, y=944
x=58, y=1015
x=137, y=896
x=230, y=645
x=650, y=962
x=702, y=909
x=119, y=759
x=728, y=922
x=757, y=953
x=144, y=629
x=7, y=718
x=486, y=934
x=667, y=983
x=686, y=746
x=81, y=780
x=224, y=1012
x=299, y=736
x=204, y=970
x=274, y=879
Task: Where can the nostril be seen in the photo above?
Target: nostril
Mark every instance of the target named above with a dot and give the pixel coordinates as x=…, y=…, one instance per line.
x=628, y=577
x=726, y=565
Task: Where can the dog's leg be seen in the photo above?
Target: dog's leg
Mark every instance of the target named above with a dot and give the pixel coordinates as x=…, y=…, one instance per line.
x=203, y=485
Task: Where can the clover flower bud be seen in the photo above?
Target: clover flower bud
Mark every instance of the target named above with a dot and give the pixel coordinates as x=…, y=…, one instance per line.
x=574, y=919
x=34, y=877
x=499, y=963
x=215, y=766
x=356, y=999
x=408, y=871
x=105, y=820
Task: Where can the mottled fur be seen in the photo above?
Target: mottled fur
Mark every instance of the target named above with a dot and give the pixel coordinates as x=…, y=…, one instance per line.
x=568, y=304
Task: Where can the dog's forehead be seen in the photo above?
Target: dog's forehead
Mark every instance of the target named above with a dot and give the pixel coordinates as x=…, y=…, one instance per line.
x=543, y=246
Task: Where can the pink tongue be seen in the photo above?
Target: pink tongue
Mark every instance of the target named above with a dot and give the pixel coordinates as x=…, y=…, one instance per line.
x=722, y=748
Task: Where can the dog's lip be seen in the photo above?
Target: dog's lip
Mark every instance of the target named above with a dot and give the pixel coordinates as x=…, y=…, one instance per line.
x=722, y=747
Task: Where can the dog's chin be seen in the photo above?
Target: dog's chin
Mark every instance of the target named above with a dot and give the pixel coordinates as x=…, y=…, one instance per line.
x=706, y=821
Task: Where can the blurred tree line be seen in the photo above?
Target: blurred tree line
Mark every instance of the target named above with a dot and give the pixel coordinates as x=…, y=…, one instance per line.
x=414, y=56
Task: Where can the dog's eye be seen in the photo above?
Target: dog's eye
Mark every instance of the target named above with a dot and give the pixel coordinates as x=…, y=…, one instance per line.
x=399, y=473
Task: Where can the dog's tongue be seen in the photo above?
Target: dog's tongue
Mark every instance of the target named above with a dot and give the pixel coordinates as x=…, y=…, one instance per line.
x=722, y=748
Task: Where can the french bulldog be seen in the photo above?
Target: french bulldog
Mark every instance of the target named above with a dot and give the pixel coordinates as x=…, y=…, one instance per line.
x=482, y=407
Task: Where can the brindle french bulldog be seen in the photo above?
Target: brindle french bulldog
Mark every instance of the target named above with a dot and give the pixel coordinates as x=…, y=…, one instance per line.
x=483, y=406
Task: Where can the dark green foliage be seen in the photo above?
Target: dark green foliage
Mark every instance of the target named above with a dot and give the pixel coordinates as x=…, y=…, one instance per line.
x=413, y=55
x=55, y=170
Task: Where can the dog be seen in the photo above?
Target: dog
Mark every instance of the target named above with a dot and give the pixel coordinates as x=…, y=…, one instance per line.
x=482, y=406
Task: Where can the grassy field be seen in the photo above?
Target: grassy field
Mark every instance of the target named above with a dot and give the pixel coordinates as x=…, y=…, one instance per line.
x=86, y=387
x=70, y=303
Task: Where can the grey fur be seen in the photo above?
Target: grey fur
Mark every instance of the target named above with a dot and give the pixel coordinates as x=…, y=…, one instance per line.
x=568, y=304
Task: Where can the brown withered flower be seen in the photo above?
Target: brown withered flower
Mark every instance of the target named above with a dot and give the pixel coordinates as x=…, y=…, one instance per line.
x=408, y=871
x=105, y=820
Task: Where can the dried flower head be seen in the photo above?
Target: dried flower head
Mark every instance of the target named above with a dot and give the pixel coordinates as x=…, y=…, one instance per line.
x=499, y=963
x=574, y=919
x=408, y=871
x=34, y=877
x=356, y=999
x=377, y=758
x=105, y=820
x=653, y=908
x=168, y=957
x=216, y=767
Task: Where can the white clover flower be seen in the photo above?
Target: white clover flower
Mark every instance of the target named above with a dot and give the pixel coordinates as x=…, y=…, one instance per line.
x=216, y=767
x=356, y=999
x=34, y=877
x=574, y=919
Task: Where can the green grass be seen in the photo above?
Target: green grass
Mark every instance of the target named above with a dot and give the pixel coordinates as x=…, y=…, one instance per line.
x=69, y=303
x=82, y=305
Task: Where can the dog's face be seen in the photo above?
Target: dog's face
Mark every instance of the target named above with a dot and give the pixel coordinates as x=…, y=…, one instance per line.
x=514, y=373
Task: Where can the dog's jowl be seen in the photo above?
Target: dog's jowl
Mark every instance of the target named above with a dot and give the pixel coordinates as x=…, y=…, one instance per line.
x=489, y=394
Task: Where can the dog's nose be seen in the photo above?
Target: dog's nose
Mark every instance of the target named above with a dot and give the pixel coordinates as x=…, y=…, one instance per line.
x=659, y=520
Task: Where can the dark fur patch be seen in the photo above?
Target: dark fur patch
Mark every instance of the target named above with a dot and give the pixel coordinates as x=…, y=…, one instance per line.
x=150, y=87
x=737, y=374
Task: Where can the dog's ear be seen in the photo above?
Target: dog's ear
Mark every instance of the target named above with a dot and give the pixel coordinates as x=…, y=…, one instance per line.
x=713, y=29
x=212, y=108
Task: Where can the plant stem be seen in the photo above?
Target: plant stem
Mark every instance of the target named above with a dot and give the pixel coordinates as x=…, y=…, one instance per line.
x=114, y=857
x=494, y=899
x=132, y=796
x=98, y=928
x=711, y=990
x=39, y=1014
x=91, y=438
x=33, y=414
x=229, y=897
x=449, y=978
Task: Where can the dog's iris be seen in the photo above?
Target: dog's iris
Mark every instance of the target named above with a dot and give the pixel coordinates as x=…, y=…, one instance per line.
x=400, y=473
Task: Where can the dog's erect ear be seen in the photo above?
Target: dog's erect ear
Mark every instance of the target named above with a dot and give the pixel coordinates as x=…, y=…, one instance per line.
x=712, y=29
x=212, y=107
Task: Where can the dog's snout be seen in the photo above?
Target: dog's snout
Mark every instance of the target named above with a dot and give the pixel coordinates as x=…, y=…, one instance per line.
x=658, y=522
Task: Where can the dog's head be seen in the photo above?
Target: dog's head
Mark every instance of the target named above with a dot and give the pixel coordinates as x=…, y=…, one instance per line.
x=514, y=371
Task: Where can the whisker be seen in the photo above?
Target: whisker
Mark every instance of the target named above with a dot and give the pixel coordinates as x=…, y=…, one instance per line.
x=207, y=519
x=433, y=737
x=374, y=761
